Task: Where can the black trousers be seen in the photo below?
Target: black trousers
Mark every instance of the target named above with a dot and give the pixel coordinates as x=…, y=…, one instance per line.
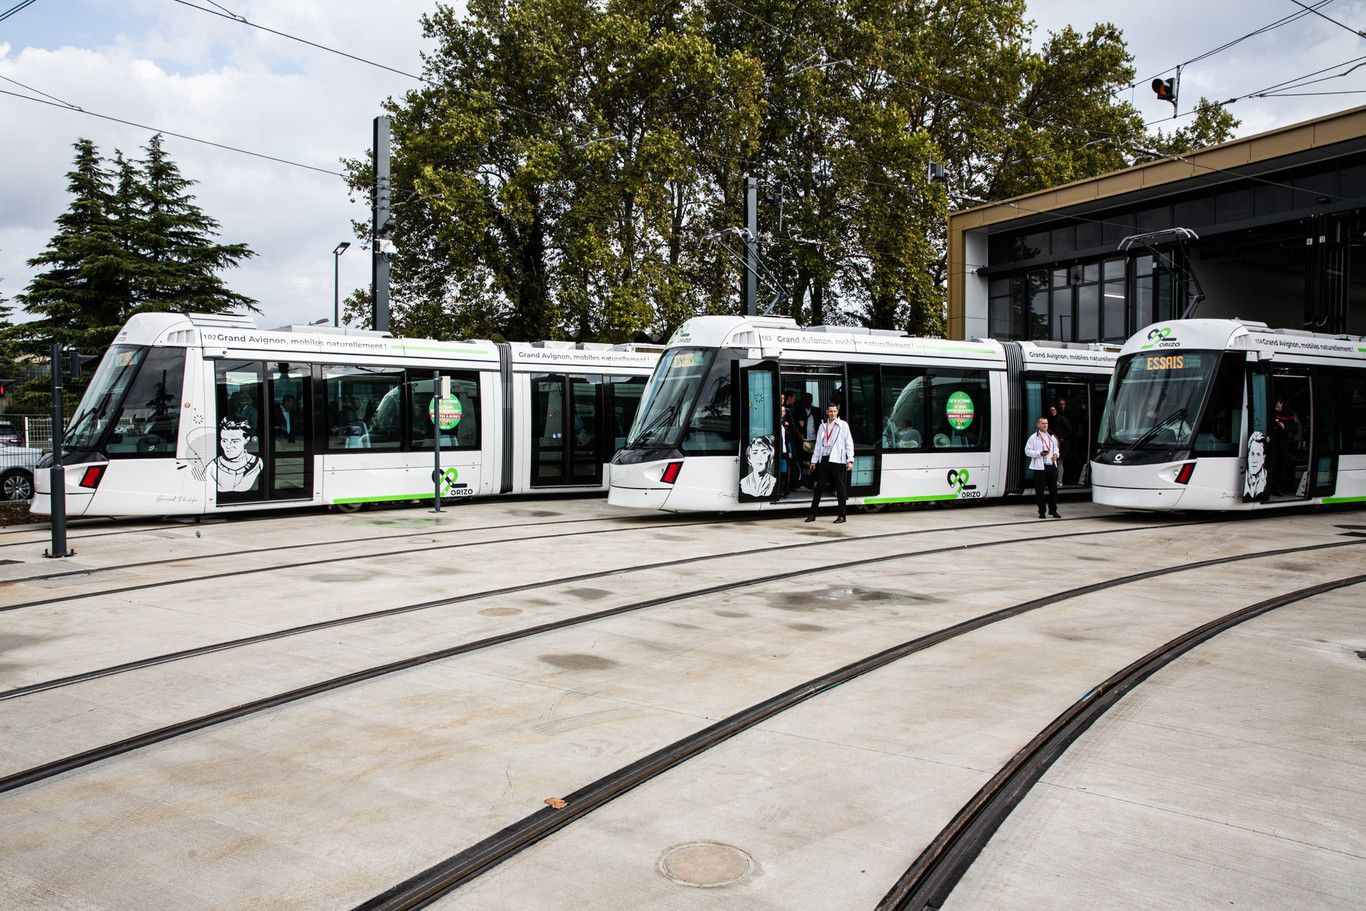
x=833, y=475
x=1049, y=477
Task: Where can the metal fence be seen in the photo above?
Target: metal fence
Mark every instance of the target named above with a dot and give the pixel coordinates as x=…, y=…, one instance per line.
x=34, y=430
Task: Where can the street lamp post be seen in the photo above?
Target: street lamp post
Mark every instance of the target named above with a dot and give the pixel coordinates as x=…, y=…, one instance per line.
x=336, y=286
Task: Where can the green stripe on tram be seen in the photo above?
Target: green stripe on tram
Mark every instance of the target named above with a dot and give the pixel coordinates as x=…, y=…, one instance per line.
x=933, y=497
x=444, y=349
x=388, y=498
x=1345, y=499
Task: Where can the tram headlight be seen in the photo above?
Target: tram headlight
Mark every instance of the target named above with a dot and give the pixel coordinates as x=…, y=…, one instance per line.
x=93, y=475
x=671, y=472
x=1183, y=474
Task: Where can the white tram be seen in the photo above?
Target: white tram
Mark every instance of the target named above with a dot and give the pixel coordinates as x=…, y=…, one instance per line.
x=1230, y=415
x=932, y=420
x=206, y=414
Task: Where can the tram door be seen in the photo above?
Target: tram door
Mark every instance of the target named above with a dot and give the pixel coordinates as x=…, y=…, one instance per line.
x=760, y=439
x=862, y=412
x=289, y=455
x=1073, y=401
x=1290, y=430
x=566, y=449
x=261, y=448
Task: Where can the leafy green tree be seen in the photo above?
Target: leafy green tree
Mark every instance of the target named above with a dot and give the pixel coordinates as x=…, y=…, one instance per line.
x=575, y=167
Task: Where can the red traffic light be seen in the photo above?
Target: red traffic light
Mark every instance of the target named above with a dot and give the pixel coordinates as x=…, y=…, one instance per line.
x=1165, y=90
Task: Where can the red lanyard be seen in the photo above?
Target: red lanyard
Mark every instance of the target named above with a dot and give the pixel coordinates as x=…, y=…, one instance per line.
x=829, y=428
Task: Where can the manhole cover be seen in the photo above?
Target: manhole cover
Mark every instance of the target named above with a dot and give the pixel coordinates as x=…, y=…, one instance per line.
x=705, y=864
x=501, y=611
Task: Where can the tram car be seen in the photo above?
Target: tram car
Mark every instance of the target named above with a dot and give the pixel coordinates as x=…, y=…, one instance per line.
x=1233, y=415
x=932, y=420
x=192, y=414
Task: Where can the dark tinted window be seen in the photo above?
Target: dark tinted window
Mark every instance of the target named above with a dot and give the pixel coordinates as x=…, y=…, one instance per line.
x=149, y=421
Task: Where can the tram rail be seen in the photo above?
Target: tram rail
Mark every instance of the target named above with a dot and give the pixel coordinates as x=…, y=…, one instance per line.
x=84, y=758
x=197, y=651
x=930, y=879
x=449, y=874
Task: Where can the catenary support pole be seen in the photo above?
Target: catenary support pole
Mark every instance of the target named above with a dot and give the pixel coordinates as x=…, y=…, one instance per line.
x=751, y=245
x=57, y=474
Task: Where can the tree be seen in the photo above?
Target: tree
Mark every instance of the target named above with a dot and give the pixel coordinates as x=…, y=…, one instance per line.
x=85, y=283
x=575, y=167
x=131, y=240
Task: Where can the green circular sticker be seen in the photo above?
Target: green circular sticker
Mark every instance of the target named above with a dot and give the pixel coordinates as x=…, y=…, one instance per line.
x=450, y=413
x=959, y=410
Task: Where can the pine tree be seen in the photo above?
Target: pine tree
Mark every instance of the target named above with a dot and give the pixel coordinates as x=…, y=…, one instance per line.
x=83, y=292
x=132, y=240
x=176, y=243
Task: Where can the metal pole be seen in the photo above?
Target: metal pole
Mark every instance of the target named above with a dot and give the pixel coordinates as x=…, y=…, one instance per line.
x=57, y=475
x=436, y=438
x=336, y=288
x=381, y=229
x=751, y=245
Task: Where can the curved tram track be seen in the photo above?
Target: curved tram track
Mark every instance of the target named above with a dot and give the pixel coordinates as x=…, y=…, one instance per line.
x=449, y=874
x=60, y=766
x=527, y=587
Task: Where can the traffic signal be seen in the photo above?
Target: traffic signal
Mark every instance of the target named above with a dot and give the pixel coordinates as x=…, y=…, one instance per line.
x=1165, y=90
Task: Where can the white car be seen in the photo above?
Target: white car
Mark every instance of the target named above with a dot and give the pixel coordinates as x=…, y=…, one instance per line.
x=17, y=464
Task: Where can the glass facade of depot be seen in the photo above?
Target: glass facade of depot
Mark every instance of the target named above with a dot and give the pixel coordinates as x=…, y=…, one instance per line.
x=1296, y=233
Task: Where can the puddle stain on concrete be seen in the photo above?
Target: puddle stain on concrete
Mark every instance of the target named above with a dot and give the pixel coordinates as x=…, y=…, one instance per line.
x=840, y=597
x=807, y=627
x=588, y=594
x=578, y=662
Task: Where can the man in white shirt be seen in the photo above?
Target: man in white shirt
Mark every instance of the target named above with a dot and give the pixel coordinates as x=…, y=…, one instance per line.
x=832, y=460
x=1042, y=451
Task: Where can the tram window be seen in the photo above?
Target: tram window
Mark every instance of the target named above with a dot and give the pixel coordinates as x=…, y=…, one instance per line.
x=1351, y=417
x=1327, y=423
x=354, y=395
x=903, y=409
x=116, y=371
x=957, y=409
x=464, y=388
x=626, y=392
x=1218, y=433
x=711, y=431
x=149, y=420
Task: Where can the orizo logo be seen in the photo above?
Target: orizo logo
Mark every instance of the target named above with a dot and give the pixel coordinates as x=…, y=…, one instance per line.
x=1160, y=335
x=958, y=477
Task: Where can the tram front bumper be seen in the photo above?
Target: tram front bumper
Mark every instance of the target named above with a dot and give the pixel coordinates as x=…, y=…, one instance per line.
x=638, y=497
x=1136, y=487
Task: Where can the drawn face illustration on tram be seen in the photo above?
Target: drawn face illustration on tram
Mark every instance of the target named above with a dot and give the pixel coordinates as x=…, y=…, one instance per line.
x=759, y=457
x=235, y=469
x=1255, y=482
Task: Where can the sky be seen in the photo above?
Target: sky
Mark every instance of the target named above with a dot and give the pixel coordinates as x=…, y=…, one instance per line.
x=168, y=66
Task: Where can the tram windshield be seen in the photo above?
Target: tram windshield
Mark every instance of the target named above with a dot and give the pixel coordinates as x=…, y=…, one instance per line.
x=103, y=397
x=1156, y=398
x=668, y=398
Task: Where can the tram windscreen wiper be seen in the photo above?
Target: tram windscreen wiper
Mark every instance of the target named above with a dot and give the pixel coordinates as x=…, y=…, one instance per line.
x=659, y=423
x=1153, y=431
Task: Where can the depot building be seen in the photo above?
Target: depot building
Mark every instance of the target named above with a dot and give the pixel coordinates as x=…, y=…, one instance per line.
x=1269, y=228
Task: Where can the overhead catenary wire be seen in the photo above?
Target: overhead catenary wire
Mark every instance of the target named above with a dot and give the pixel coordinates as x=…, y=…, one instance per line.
x=1270, y=26
x=66, y=106
x=1314, y=9
x=18, y=7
